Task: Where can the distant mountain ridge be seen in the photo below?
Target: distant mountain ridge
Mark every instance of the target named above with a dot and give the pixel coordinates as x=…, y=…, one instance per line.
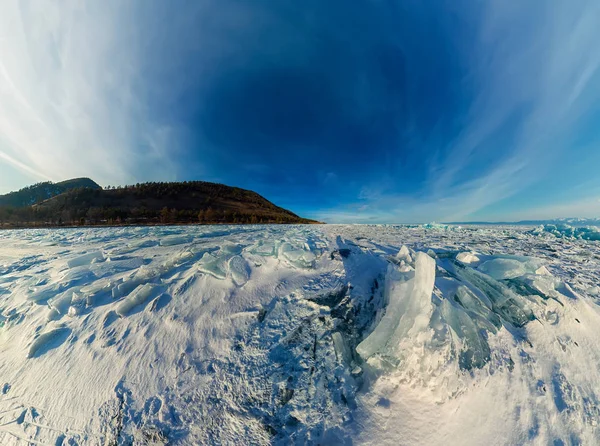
x=84, y=202
x=39, y=192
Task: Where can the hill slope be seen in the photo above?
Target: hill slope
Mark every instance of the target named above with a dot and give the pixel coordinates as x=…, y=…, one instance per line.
x=150, y=203
x=42, y=191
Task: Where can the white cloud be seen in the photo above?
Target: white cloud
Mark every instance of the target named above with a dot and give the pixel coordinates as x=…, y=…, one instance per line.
x=542, y=65
x=70, y=102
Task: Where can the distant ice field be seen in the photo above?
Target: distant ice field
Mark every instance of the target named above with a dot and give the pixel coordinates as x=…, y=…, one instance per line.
x=320, y=334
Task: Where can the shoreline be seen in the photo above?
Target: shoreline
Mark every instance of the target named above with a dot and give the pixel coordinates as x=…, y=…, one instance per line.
x=138, y=225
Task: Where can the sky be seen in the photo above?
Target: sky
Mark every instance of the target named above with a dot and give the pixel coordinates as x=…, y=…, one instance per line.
x=370, y=111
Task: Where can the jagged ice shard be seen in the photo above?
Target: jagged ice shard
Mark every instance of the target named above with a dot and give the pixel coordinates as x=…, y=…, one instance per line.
x=408, y=311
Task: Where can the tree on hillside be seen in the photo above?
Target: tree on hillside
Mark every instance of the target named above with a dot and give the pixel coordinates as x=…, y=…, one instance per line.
x=209, y=215
x=164, y=215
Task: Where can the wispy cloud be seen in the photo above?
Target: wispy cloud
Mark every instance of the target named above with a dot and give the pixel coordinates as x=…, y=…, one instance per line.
x=540, y=65
x=71, y=101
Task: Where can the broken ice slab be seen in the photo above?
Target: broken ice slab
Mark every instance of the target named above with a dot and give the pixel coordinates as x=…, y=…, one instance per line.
x=177, y=260
x=265, y=249
x=508, y=305
x=297, y=257
x=543, y=285
x=395, y=289
x=230, y=249
x=116, y=266
x=139, y=244
x=509, y=268
x=417, y=305
x=76, y=276
x=238, y=269
x=62, y=302
x=477, y=308
x=42, y=294
x=408, y=311
x=143, y=275
x=86, y=259
x=171, y=240
x=215, y=266
x=99, y=286
x=341, y=348
x=404, y=254
x=474, y=351
x=137, y=297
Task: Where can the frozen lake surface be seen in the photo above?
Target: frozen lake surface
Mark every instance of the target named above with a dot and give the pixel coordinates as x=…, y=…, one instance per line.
x=299, y=335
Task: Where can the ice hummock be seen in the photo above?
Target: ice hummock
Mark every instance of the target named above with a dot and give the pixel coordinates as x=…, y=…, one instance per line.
x=567, y=231
x=408, y=310
x=469, y=305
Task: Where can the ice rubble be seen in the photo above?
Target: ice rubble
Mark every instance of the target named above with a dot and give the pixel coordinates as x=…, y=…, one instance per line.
x=566, y=231
x=441, y=227
x=470, y=303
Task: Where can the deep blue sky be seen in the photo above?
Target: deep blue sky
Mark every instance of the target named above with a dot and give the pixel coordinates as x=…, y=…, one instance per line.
x=362, y=111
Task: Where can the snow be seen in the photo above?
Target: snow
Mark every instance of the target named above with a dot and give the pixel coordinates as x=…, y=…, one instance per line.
x=330, y=334
x=44, y=339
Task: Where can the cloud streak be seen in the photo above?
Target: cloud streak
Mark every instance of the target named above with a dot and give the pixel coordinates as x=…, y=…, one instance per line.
x=534, y=71
x=71, y=103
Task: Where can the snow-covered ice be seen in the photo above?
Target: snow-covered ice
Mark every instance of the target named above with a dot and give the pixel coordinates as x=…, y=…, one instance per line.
x=331, y=334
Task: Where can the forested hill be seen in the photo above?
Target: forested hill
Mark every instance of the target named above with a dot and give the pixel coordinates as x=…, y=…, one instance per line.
x=150, y=203
x=42, y=191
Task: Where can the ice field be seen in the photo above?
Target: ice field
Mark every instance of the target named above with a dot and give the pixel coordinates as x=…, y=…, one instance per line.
x=362, y=335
